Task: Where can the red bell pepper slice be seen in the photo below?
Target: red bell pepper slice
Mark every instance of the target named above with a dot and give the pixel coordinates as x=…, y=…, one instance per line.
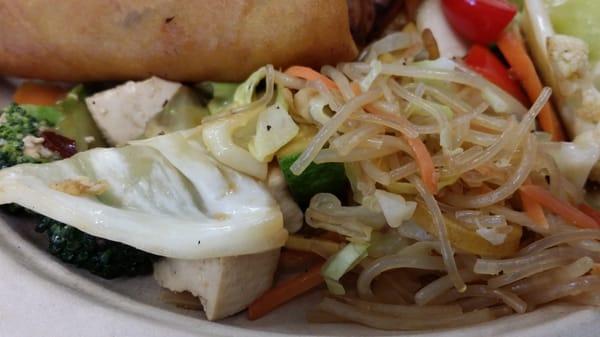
x=484, y=62
x=479, y=21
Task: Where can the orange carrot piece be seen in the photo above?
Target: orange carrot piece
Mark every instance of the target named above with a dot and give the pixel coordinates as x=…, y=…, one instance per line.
x=425, y=163
x=38, y=94
x=534, y=211
x=310, y=75
x=513, y=48
x=591, y=212
x=562, y=208
x=285, y=291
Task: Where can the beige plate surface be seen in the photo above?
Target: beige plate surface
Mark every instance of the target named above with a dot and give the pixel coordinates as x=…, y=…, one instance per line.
x=42, y=297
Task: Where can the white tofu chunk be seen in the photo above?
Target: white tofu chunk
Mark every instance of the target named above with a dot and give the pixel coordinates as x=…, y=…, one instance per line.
x=225, y=285
x=123, y=112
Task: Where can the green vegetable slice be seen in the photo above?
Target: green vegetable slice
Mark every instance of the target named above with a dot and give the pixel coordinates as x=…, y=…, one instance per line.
x=317, y=178
x=342, y=262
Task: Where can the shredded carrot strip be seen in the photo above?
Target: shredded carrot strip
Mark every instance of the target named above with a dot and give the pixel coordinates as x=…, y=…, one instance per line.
x=310, y=75
x=534, y=211
x=425, y=163
x=512, y=47
x=38, y=94
x=285, y=291
x=591, y=212
x=562, y=208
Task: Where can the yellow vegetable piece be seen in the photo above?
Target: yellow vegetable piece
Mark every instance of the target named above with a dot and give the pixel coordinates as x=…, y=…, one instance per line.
x=467, y=239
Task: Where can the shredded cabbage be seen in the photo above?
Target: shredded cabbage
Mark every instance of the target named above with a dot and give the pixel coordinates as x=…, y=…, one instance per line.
x=274, y=129
x=340, y=263
x=395, y=208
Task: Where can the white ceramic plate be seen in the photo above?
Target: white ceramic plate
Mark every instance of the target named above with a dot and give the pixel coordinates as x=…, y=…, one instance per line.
x=39, y=296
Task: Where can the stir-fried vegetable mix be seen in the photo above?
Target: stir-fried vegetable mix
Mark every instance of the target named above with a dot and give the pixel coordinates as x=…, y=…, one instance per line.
x=422, y=190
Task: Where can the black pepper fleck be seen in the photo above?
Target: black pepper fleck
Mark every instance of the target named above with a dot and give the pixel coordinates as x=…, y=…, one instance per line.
x=198, y=241
x=268, y=128
x=169, y=19
x=165, y=103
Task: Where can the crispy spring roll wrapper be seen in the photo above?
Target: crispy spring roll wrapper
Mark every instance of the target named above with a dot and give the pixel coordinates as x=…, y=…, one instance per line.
x=224, y=40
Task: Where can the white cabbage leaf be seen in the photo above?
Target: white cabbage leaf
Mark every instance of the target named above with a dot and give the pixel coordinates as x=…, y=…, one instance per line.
x=274, y=129
x=166, y=195
x=575, y=160
x=227, y=138
x=395, y=208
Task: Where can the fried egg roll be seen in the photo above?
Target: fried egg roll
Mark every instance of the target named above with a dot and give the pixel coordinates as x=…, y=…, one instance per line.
x=224, y=40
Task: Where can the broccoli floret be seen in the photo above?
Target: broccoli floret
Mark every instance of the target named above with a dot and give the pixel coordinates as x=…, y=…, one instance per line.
x=104, y=258
x=16, y=124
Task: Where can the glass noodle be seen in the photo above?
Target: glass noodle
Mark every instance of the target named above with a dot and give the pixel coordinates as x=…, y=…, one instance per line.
x=431, y=133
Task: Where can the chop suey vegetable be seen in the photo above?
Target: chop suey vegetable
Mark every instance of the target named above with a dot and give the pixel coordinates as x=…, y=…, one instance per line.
x=429, y=184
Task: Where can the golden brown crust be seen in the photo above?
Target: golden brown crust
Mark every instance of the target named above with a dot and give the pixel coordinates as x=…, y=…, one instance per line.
x=225, y=40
